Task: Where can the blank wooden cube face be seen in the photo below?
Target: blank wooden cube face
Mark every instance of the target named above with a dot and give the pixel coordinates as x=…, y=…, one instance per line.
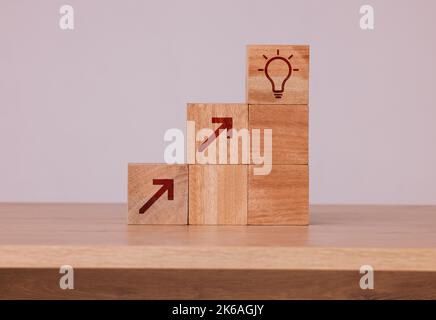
x=212, y=117
x=289, y=124
x=277, y=74
x=218, y=194
x=280, y=198
x=158, y=194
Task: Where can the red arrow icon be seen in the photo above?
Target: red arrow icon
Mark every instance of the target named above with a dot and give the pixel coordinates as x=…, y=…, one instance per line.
x=226, y=124
x=167, y=185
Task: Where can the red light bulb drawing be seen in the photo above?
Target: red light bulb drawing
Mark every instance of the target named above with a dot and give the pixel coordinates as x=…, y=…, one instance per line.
x=278, y=70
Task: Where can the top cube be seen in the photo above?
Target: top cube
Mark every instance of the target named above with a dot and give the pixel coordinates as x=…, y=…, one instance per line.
x=277, y=74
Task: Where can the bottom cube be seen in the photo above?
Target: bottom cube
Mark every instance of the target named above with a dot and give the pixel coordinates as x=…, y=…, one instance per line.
x=218, y=194
x=158, y=194
x=280, y=198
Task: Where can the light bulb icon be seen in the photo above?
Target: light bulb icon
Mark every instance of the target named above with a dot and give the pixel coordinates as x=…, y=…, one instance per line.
x=278, y=70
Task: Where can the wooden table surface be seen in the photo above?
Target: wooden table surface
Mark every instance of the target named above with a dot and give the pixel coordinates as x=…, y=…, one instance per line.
x=114, y=260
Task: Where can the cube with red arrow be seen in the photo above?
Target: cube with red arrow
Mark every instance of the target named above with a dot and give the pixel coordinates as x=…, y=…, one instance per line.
x=158, y=194
x=217, y=130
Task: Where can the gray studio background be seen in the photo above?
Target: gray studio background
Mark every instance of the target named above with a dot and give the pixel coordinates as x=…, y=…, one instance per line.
x=77, y=106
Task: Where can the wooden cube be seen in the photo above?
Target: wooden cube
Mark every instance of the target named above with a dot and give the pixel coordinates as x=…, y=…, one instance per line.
x=158, y=194
x=215, y=118
x=277, y=74
x=280, y=198
x=289, y=124
x=218, y=194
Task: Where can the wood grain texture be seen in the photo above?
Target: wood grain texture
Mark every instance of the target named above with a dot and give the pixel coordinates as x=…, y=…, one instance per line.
x=218, y=194
x=224, y=257
x=259, y=88
x=280, y=198
x=113, y=260
x=141, y=189
x=290, y=131
x=202, y=114
x=221, y=284
x=331, y=226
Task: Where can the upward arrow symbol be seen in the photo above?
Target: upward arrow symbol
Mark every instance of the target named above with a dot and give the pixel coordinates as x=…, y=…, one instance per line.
x=226, y=124
x=167, y=185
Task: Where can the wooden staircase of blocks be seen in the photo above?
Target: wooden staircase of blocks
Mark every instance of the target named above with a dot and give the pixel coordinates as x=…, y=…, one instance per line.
x=221, y=188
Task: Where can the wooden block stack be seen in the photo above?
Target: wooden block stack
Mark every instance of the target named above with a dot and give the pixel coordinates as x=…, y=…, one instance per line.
x=222, y=187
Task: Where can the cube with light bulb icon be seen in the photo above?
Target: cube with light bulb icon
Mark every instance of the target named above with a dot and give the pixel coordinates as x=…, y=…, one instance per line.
x=277, y=74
